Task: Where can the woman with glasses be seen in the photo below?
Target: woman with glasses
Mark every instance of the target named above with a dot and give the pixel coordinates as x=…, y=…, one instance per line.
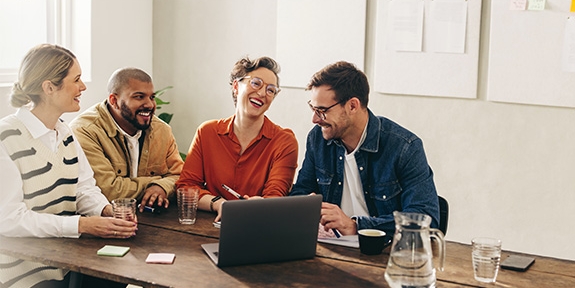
x=244, y=156
x=47, y=182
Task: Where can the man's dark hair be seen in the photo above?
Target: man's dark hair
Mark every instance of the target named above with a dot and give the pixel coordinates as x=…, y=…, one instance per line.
x=345, y=80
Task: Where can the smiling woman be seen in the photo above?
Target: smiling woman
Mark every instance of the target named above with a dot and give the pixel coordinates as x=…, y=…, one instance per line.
x=36, y=149
x=246, y=151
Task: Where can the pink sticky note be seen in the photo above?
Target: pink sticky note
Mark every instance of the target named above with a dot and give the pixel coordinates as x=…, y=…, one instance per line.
x=518, y=4
x=160, y=258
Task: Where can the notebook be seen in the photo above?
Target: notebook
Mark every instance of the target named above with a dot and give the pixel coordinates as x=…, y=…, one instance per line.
x=267, y=230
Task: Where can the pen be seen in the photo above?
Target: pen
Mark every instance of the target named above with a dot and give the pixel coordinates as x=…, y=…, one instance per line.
x=232, y=191
x=336, y=233
x=147, y=208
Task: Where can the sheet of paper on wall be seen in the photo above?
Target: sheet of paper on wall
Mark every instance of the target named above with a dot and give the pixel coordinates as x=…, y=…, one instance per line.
x=518, y=4
x=330, y=238
x=572, y=6
x=447, y=25
x=536, y=5
x=405, y=26
x=569, y=45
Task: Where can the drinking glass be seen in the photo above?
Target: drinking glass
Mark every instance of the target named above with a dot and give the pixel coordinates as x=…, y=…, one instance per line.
x=486, y=253
x=187, y=205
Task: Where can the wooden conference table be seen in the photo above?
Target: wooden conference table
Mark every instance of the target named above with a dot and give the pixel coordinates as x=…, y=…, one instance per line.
x=333, y=266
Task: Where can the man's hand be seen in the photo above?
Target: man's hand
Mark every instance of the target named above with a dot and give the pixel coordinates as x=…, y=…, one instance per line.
x=333, y=218
x=152, y=194
x=108, y=211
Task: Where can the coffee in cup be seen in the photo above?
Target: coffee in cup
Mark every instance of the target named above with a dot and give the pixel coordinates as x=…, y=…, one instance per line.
x=371, y=241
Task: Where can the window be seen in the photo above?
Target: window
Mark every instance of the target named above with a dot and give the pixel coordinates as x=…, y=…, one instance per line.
x=24, y=24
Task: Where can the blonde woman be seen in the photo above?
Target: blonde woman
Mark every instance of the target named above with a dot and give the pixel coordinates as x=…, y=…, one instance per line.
x=47, y=181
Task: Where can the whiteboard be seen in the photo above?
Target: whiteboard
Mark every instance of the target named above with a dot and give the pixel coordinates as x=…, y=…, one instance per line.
x=525, y=54
x=428, y=73
x=313, y=34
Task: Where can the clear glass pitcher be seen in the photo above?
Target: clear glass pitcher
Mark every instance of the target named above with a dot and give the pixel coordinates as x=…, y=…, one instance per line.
x=410, y=260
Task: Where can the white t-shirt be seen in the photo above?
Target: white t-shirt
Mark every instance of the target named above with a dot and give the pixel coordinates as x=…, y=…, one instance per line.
x=353, y=199
x=133, y=143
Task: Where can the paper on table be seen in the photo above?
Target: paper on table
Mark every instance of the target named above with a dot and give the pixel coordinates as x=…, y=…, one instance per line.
x=160, y=258
x=111, y=250
x=348, y=241
x=330, y=238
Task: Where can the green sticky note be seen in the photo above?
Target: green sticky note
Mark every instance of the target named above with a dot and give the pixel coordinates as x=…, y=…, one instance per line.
x=111, y=250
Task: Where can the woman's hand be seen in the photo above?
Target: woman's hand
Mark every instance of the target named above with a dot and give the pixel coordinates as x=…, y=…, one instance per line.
x=107, y=227
x=218, y=208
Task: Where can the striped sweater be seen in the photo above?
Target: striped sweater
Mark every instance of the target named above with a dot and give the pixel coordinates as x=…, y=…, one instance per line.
x=49, y=185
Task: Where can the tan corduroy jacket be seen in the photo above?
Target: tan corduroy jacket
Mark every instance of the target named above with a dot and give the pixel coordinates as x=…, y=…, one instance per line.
x=160, y=162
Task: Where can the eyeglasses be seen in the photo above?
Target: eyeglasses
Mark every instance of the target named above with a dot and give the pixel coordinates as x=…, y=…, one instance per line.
x=320, y=111
x=257, y=83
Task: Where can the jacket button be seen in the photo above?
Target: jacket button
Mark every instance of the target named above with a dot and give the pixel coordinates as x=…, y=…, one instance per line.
x=340, y=158
x=152, y=173
x=384, y=197
x=317, y=180
x=119, y=171
x=339, y=183
x=360, y=168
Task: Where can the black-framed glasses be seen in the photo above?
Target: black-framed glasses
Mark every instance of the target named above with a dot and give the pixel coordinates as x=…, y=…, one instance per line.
x=320, y=111
x=257, y=83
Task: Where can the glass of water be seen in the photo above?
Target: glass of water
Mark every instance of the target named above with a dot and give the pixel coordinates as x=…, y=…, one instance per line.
x=486, y=254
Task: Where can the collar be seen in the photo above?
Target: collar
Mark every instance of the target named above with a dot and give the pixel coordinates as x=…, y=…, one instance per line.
x=35, y=126
x=371, y=143
x=226, y=126
x=136, y=136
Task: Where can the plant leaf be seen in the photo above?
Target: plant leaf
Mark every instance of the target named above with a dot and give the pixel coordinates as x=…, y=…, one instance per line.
x=162, y=91
x=166, y=117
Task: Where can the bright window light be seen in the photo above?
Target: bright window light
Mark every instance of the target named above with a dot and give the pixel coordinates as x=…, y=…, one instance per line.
x=25, y=24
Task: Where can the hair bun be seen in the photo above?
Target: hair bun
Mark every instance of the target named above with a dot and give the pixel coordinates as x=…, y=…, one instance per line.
x=19, y=98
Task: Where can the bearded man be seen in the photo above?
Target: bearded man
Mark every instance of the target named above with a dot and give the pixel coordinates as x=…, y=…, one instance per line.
x=132, y=152
x=365, y=166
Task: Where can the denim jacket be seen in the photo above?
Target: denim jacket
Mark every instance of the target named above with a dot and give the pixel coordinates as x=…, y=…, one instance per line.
x=393, y=170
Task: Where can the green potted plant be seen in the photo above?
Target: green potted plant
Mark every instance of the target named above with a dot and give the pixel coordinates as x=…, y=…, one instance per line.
x=166, y=117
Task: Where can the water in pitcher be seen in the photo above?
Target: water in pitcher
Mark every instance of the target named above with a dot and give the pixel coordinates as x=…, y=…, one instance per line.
x=410, y=262
x=410, y=269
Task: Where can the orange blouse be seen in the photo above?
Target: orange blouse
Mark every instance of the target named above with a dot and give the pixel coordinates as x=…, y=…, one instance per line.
x=266, y=168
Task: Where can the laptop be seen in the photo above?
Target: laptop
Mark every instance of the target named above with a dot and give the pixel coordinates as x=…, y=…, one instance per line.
x=267, y=230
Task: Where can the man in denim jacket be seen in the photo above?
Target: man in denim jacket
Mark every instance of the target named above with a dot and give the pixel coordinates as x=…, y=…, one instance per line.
x=365, y=166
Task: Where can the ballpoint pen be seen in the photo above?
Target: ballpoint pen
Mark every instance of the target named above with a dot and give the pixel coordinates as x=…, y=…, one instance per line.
x=337, y=234
x=233, y=192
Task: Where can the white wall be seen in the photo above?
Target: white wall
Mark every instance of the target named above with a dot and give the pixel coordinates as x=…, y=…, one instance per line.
x=506, y=169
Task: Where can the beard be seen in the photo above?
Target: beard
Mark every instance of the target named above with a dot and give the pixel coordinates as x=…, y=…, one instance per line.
x=132, y=118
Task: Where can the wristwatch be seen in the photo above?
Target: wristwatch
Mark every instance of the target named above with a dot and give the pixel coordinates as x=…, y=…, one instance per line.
x=212, y=202
x=354, y=219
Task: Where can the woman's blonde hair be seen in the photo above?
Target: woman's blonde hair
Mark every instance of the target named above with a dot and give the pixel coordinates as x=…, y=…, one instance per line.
x=43, y=62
